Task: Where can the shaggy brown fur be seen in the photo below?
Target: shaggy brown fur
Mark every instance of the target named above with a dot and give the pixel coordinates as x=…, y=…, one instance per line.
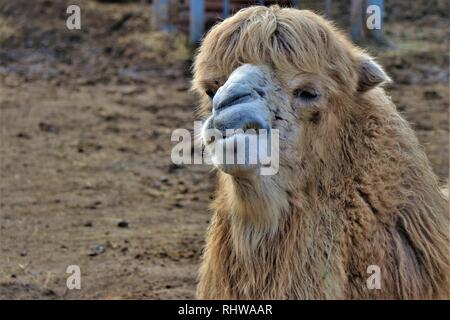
x=356, y=189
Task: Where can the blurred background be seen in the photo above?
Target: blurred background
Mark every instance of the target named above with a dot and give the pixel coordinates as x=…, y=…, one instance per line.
x=86, y=117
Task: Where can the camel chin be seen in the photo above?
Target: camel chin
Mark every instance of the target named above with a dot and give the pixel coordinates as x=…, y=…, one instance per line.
x=239, y=170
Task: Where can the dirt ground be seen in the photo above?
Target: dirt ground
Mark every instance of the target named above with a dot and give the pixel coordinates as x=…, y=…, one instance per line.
x=86, y=117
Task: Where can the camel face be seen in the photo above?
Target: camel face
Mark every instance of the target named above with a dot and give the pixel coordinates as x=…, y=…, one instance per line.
x=255, y=102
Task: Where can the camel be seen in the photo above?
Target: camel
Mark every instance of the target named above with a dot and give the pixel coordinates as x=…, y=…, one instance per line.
x=354, y=187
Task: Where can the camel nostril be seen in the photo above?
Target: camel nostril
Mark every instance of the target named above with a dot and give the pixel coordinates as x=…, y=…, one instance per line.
x=232, y=100
x=260, y=93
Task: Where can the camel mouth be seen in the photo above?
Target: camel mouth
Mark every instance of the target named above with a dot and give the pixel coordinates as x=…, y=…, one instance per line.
x=249, y=130
x=242, y=152
x=243, y=118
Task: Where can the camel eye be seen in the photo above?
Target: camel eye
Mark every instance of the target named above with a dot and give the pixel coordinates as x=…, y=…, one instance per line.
x=210, y=93
x=306, y=94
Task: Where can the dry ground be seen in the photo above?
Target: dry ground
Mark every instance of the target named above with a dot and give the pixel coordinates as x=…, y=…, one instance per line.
x=86, y=118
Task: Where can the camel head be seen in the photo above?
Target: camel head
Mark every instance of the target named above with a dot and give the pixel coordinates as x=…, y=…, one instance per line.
x=284, y=69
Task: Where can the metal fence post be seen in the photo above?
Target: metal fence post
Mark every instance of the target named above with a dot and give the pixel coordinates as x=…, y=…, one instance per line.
x=226, y=8
x=377, y=34
x=197, y=20
x=160, y=16
x=328, y=9
x=356, y=20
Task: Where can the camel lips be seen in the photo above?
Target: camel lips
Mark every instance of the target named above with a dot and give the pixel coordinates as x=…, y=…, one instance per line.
x=239, y=149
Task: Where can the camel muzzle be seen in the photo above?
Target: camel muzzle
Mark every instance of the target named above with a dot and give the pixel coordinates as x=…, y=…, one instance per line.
x=238, y=134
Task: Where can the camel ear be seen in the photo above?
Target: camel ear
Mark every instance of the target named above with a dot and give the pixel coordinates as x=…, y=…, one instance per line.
x=370, y=74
